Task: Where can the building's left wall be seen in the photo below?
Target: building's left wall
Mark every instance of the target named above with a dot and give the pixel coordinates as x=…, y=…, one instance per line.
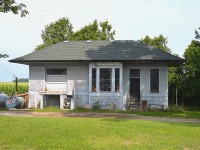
x=36, y=84
x=77, y=82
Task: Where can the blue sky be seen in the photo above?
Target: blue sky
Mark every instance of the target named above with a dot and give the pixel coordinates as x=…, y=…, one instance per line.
x=132, y=20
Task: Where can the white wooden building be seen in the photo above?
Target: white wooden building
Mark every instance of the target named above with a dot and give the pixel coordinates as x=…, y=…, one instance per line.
x=112, y=74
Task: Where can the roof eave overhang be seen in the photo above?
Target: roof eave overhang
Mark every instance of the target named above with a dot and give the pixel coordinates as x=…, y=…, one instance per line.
x=171, y=63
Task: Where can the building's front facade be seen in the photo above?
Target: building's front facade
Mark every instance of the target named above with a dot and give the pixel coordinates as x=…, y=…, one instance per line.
x=110, y=74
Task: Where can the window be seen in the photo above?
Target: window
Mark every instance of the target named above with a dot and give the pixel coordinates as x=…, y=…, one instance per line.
x=105, y=79
x=56, y=71
x=154, y=80
x=117, y=80
x=93, y=79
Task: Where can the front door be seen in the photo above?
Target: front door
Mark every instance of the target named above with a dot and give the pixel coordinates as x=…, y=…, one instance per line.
x=135, y=85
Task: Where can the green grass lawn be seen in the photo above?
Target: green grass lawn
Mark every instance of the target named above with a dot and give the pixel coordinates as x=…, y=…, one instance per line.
x=185, y=114
x=95, y=133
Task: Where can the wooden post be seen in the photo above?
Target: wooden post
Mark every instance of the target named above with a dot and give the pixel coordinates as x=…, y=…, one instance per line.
x=16, y=84
x=62, y=101
x=97, y=79
x=176, y=97
x=113, y=80
x=42, y=102
x=173, y=96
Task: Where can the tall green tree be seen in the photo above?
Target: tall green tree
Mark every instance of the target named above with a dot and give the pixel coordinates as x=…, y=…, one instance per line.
x=192, y=72
x=106, y=32
x=197, y=34
x=159, y=42
x=88, y=32
x=94, y=31
x=62, y=30
x=176, y=81
x=3, y=55
x=186, y=76
x=12, y=6
x=56, y=32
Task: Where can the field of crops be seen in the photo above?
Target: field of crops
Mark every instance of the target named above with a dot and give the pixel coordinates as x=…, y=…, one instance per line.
x=9, y=87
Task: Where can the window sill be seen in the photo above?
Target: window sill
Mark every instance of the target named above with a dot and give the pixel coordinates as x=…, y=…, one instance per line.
x=154, y=92
x=56, y=82
x=64, y=75
x=106, y=92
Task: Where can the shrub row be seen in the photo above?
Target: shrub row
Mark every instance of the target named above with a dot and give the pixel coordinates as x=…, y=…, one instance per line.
x=9, y=87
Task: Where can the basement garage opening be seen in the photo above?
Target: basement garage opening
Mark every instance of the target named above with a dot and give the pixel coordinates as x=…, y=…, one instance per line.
x=52, y=100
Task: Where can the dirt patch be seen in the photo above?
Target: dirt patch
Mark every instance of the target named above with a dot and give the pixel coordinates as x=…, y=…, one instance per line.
x=96, y=115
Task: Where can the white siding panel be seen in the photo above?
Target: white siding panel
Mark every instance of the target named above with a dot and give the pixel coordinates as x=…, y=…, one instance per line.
x=37, y=78
x=126, y=76
x=78, y=79
x=31, y=103
x=155, y=98
x=56, y=86
x=56, y=78
x=162, y=96
x=36, y=82
x=144, y=80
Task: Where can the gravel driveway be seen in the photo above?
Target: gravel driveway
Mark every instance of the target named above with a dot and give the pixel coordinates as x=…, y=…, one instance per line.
x=20, y=113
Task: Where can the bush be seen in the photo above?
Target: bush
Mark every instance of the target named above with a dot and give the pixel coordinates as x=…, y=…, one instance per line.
x=175, y=108
x=96, y=105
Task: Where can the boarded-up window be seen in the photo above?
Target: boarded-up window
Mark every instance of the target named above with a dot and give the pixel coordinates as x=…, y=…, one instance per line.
x=154, y=80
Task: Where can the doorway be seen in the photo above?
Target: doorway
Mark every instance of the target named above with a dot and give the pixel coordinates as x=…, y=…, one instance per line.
x=135, y=85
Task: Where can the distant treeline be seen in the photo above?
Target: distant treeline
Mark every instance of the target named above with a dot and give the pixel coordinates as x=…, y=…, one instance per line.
x=22, y=80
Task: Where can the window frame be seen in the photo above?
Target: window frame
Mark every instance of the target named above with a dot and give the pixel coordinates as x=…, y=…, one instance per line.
x=117, y=87
x=94, y=88
x=112, y=79
x=56, y=69
x=155, y=80
x=104, y=79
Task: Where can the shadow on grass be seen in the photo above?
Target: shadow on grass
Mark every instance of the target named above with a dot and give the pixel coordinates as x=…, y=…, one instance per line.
x=196, y=125
x=185, y=114
x=177, y=124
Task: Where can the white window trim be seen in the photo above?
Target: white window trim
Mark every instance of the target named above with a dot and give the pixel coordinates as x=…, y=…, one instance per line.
x=54, y=76
x=56, y=68
x=113, y=67
x=150, y=81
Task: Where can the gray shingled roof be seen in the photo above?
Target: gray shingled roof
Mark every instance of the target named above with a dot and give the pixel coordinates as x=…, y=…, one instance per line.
x=119, y=50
